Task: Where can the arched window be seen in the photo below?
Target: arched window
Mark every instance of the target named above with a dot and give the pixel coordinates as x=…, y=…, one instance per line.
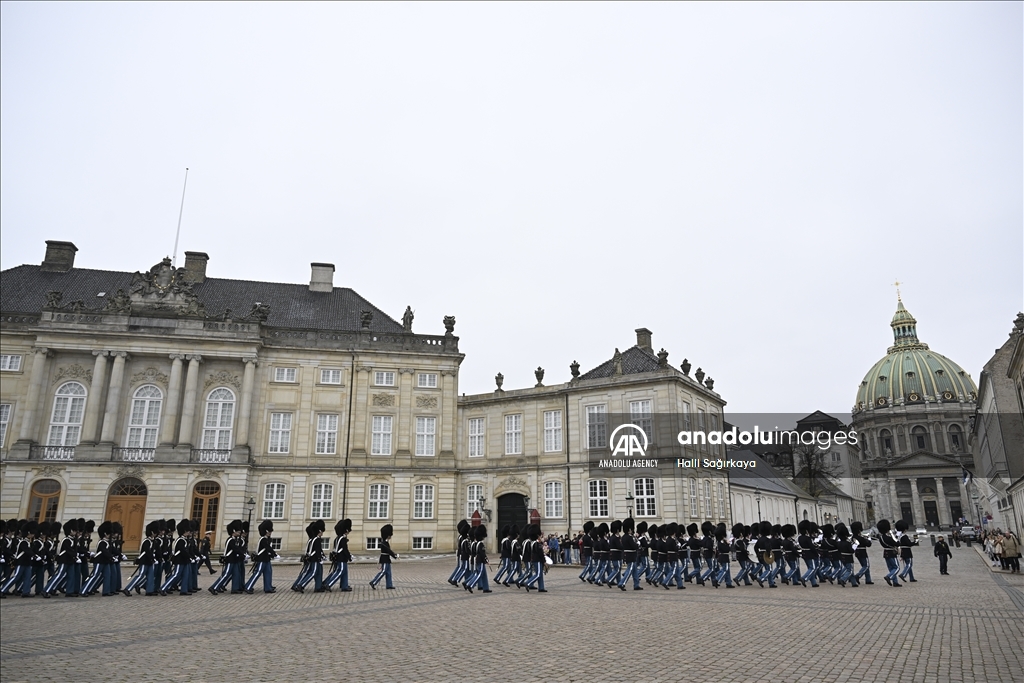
x=42, y=505
x=220, y=413
x=885, y=441
x=68, y=408
x=129, y=486
x=145, y=417
x=920, y=438
x=956, y=442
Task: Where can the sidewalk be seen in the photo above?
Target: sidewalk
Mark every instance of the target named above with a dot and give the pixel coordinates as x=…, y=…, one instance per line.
x=988, y=563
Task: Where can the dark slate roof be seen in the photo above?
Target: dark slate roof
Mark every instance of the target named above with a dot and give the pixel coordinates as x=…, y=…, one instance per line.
x=23, y=290
x=634, y=360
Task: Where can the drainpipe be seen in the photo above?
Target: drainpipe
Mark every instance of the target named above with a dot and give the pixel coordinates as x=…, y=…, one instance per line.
x=348, y=432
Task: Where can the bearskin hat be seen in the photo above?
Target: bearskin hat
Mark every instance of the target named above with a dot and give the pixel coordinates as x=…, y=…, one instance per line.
x=603, y=529
x=11, y=526
x=387, y=531
x=234, y=525
x=901, y=525
x=321, y=526
x=788, y=530
x=884, y=526
x=183, y=527
x=765, y=528
x=534, y=532
x=311, y=530
x=463, y=527
x=587, y=526
x=504, y=531
x=653, y=530
x=616, y=527
x=856, y=528
x=629, y=525
x=3, y=526
x=737, y=529
x=692, y=529
x=55, y=528
x=815, y=529
x=707, y=528
x=641, y=527
x=513, y=531
x=151, y=528
x=265, y=526
x=828, y=531
x=720, y=532
x=481, y=532
x=339, y=527
x=70, y=527
x=776, y=530
x=116, y=528
x=842, y=531
x=31, y=527
x=169, y=525
x=747, y=530
x=195, y=525
x=804, y=527
x=245, y=527
x=104, y=529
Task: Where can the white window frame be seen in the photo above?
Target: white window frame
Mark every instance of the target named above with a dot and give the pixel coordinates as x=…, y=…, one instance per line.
x=275, y=543
x=326, y=433
x=321, y=504
x=423, y=501
x=474, y=492
x=373, y=542
x=286, y=375
x=837, y=457
x=598, y=498
x=218, y=426
x=422, y=542
x=426, y=435
x=280, y=433
x=701, y=419
x=597, y=426
x=477, y=443
x=645, y=497
x=514, y=434
x=694, y=498
x=721, y=500
x=713, y=422
x=67, y=414
x=144, y=417
x=6, y=410
x=274, y=494
x=553, y=500
x=330, y=376
x=378, y=501
x=384, y=378
x=426, y=380
x=10, y=363
x=381, y=429
x=641, y=414
x=687, y=422
x=552, y=431
x=708, y=509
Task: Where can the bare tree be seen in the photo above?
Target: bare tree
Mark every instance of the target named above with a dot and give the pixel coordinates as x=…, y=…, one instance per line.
x=814, y=471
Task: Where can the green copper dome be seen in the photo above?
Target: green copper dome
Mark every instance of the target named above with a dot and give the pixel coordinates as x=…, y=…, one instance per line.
x=911, y=373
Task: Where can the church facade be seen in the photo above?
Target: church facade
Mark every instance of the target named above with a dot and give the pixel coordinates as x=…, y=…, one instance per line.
x=170, y=394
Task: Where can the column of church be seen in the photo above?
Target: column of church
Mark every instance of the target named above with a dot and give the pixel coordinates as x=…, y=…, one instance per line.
x=918, y=508
x=170, y=418
x=90, y=428
x=245, y=400
x=108, y=433
x=188, y=408
x=940, y=495
x=35, y=388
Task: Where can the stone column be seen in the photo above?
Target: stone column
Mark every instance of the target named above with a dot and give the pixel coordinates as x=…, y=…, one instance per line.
x=92, y=406
x=173, y=401
x=188, y=409
x=918, y=508
x=406, y=411
x=245, y=401
x=361, y=385
x=449, y=413
x=35, y=390
x=109, y=430
x=940, y=495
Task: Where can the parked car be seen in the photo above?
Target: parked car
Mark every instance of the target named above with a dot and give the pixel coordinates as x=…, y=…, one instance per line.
x=967, y=533
x=921, y=531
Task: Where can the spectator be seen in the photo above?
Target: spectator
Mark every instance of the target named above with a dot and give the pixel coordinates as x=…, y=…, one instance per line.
x=566, y=550
x=1011, y=553
x=997, y=551
x=942, y=552
x=553, y=548
x=956, y=537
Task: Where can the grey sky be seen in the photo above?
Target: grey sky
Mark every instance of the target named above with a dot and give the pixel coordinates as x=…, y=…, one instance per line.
x=745, y=180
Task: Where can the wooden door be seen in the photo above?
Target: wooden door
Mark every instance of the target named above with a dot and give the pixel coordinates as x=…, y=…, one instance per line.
x=205, y=506
x=130, y=511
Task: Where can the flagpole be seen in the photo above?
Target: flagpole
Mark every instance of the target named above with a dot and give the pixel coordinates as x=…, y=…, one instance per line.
x=181, y=210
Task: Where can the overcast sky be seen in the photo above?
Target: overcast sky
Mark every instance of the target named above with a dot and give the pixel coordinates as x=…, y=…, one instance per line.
x=745, y=180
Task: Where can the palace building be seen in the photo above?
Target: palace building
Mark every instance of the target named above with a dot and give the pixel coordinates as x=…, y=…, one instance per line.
x=166, y=393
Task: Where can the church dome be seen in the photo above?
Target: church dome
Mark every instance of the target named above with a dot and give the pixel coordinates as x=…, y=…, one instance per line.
x=910, y=373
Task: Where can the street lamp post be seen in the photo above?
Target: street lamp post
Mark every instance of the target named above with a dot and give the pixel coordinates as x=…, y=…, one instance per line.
x=629, y=503
x=252, y=506
x=486, y=512
x=757, y=497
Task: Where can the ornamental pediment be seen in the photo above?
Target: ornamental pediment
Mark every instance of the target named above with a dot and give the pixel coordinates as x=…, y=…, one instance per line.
x=923, y=459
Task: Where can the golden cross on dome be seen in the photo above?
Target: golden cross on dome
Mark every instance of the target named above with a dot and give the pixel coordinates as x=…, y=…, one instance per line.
x=897, y=286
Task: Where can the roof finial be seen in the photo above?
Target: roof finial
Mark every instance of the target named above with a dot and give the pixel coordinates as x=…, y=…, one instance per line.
x=897, y=286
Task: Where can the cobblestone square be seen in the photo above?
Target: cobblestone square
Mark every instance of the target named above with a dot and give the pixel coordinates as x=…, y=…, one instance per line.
x=964, y=627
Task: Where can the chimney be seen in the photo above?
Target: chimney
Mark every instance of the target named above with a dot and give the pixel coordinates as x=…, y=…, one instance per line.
x=60, y=257
x=195, y=266
x=322, y=279
x=643, y=339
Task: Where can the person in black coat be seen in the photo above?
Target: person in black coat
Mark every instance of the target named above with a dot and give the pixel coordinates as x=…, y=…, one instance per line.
x=943, y=553
x=340, y=557
x=861, y=552
x=386, y=555
x=261, y=558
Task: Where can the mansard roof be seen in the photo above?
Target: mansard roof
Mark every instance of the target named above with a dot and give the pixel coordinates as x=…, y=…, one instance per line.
x=634, y=361
x=23, y=290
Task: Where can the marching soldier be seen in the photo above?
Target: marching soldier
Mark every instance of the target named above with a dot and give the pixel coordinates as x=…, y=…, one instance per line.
x=505, y=553
x=145, y=560
x=262, y=558
x=906, y=553
x=479, y=577
x=340, y=557
x=862, y=544
x=180, y=559
x=386, y=555
x=313, y=559
x=890, y=547
x=630, y=548
x=462, y=553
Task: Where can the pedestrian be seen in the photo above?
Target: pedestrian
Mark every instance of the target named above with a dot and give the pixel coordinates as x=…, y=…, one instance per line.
x=942, y=552
x=386, y=555
x=1011, y=552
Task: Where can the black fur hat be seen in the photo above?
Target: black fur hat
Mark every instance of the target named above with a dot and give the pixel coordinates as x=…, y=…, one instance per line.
x=856, y=528
x=747, y=530
x=183, y=527
x=673, y=528
x=30, y=527
x=692, y=529
x=720, y=527
x=265, y=526
x=89, y=526
x=504, y=531
x=311, y=530
x=641, y=527
x=534, y=532
x=348, y=525
x=169, y=526
x=339, y=527
x=720, y=532
x=707, y=528
x=321, y=526
x=828, y=531
x=901, y=525
x=69, y=527
x=387, y=531
x=481, y=532
x=804, y=527
x=587, y=526
x=776, y=530
x=815, y=529
x=104, y=529
x=603, y=529
x=842, y=531
x=788, y=530
x=463, y=527
x=151, y=528
x=629, y=525
x=653, y=530
x=884, y=526
x=513, y=531
x=616, y=527
x=234, y=525
x=195, y=525
x=116, y=528
x=737, y=529
x=245, y=527
x=765, y=528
